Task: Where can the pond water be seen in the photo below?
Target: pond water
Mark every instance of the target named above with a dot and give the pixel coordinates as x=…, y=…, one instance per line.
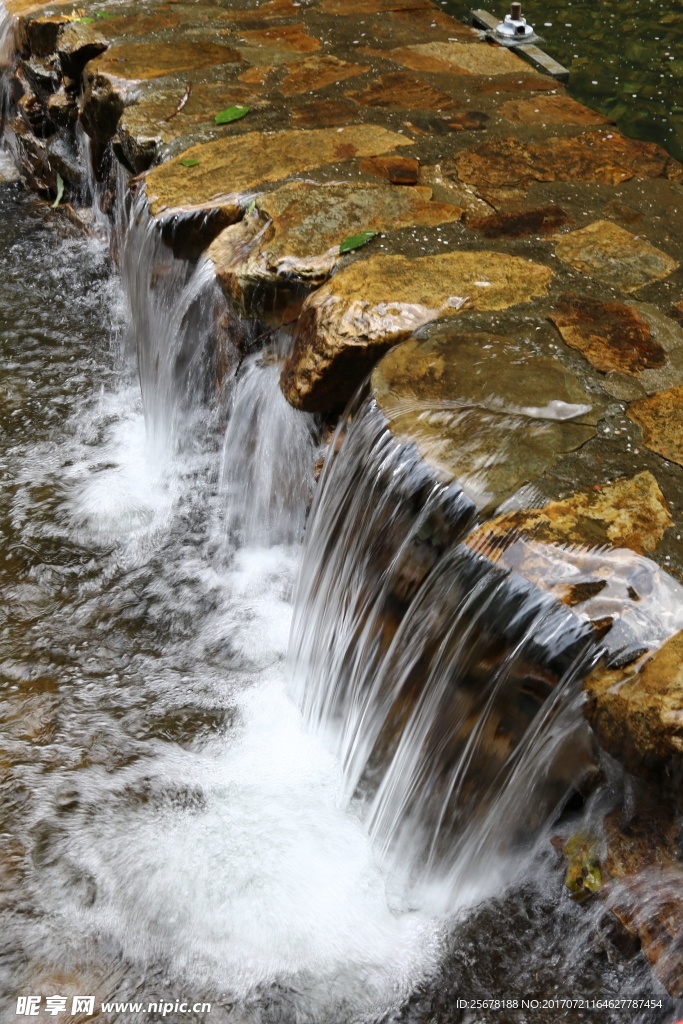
x=625, y=60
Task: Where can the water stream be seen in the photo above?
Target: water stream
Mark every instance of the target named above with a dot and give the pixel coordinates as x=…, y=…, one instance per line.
x=174, y=828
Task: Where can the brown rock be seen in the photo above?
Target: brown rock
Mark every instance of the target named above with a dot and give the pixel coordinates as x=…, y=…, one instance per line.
x=402, y=91
x=611, y=336
x=462, y=121
x=676, y=312
x=551, y=109
x=78, y=44
x=352, y=8
x=481, y=409
x=613, y=255
x=231, y=166
x=399, y=28
x=517, y=83
x=504, y=168
x=369, y=306
x=637, y=713
x=295, y=235
x=325, y=114
x=539, y=221
x=458, y=58
x=317, y=72
x=628, y=513
x=281, y=38
x=134, y=62
x=660, y=416
x=399, y=170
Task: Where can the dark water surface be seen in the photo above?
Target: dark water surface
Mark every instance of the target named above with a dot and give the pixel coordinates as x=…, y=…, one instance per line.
x=624, y=59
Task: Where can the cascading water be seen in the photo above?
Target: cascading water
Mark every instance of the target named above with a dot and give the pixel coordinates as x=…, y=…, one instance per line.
x=172, y=828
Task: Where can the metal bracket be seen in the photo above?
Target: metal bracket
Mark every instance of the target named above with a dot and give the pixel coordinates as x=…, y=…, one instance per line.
x=529, y=51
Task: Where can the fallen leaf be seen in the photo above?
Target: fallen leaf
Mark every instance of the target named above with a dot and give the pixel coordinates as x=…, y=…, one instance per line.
x=60, y=191
x=231, y=114
x=355, y=241
x=189, y=162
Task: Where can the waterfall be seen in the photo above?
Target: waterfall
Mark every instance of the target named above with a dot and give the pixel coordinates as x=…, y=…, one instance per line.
x=440, y=679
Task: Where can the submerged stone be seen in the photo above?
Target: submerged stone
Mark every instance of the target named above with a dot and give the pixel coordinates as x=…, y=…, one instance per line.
x=611, y=254
x=317, y=72
x=403, y=91
x=398, y=170
x=502, y=170
x=660, y=416
x=482, y=409
x=283, y=39
x=137, y=62
x=551, y=109
x=610, y=335
x=295, y=233
x=457, y=58
x=231, y=166
x=539, y=221
x=325, y=114
x=584, y=875
x=366, y=308
x=637, y=713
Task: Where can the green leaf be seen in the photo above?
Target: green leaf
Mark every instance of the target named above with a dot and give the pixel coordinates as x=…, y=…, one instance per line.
x=60, y=191
x=231, y=114
x=85, y=21
x=252, y=206
x=189, y=162
x=106, y=14
x=355, y=241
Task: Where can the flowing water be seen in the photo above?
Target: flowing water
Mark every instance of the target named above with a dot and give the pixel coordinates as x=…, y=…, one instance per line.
x=173, y=827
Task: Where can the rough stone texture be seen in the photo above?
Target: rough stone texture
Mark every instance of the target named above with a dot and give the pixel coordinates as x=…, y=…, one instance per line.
x=502, y=170
x=325, y=114
x=404, y=91
x=540, y=221
x=628, y=513
x=234, y=165
x=660, y=417
x=613, y=255
x=295, y=232
x=637, y=713
x=610, y=335
x=398, y=170
x=136, y=62
x=317, y=72
x=458, y=58
x=550, y=109
x=282, y=39
x=348, y=323
x=79, y=43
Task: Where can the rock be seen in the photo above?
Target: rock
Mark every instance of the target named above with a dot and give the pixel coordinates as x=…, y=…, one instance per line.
x=539, y=221
x=402, y=91
x=551, y=109
x=610, y=335
x=501, y=170
x=583, y=877
x=325, y=114
x=282, y=39
x=103, y=103
x=627, y=513
x=369, y=306
x=398, y=170
x=317, y=72
x=352, y=8
x=295, y=234
x=138, y=62
x=613, y=255
x=660, y=417
x=79, y=43
x=481, y=409
x=38, y=35
x=434, y=124
x=637, y=714
x=63, y=109
x=231, y=166
x=458, y=58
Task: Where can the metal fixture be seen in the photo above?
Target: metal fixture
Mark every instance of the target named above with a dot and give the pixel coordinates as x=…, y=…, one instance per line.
x=514, y=28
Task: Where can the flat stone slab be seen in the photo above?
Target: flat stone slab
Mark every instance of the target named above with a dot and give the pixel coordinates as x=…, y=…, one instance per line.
x=316, y=72
x=637, y=713
x=458, y=58
x=610, y=335
x=294, y=234
x=660, y=416
x=229, y=167
x=137, y=62
x=501, y=170
x=611, y=254
x=369, y=306
x=403, y=91
x=542, y=220
x=482, y=410
x=550, y=109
